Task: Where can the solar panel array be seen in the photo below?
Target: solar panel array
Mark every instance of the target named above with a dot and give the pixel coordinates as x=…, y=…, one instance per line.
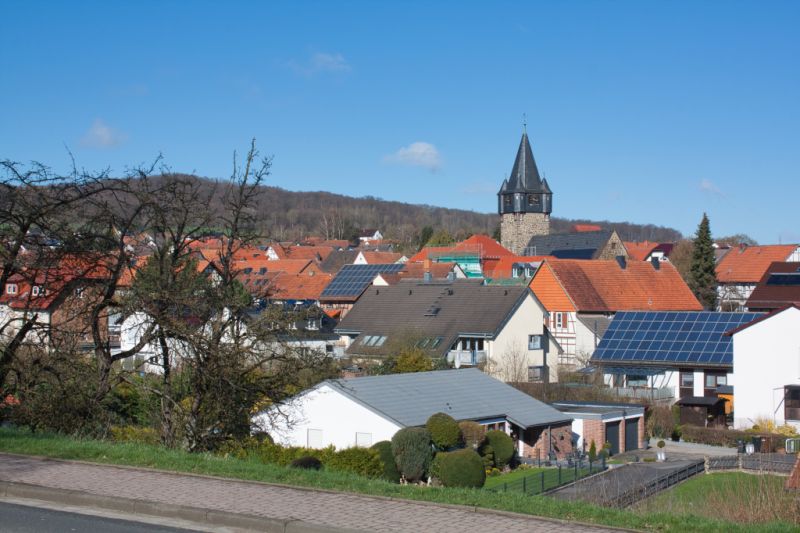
x=352, y=280
x=784, y=278
x=671, y=337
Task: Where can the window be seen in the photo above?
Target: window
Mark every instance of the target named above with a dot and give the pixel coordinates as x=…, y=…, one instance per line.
x=687, y=379
x=37, y=290
x=312, y=324
x=715, y=380
x=314, y=438
x=533, y=199
x=636, y=381
x=538, y=374
x=436, y=342
x=507, y=200
x=364, y=440
x=534, y=342
x=11, y=288
x=380, y=341
x=791, y=402
x=561, y=320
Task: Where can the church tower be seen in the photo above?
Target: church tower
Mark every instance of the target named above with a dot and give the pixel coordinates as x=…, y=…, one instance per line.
x=524, y=202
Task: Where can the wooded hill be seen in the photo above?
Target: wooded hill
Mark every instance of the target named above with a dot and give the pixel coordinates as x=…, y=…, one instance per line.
x=289, y=215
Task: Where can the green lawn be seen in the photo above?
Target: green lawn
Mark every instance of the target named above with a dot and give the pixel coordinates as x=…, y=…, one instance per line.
x=22, y=442
x=743, y=497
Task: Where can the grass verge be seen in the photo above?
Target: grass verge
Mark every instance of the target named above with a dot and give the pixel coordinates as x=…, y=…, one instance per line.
x=140, y=455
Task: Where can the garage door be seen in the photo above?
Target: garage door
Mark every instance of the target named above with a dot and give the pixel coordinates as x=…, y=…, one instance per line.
x=632, y=434
x=612, y=436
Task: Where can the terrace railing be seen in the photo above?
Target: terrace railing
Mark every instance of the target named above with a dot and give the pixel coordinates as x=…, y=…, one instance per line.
x=551, y=478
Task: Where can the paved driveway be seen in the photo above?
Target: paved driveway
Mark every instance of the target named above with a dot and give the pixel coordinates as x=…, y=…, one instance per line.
x=326, y=509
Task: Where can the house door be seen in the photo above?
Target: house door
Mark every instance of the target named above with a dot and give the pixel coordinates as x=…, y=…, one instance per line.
x=612, y=436
x=632, y=434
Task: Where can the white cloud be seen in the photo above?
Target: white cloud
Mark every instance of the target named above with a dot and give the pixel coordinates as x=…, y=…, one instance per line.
x=417, y=154
x=101, y=135
x=321, y=62
x=708, y=186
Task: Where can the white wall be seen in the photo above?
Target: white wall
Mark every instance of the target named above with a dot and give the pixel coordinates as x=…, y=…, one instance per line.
x=527, y=320
x=766, y=357
x=327, y=410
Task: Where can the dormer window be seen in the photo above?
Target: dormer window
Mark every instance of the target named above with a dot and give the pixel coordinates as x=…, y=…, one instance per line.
x=36, y=290
x=11, y=288
x=533, y=199
x=507, y=200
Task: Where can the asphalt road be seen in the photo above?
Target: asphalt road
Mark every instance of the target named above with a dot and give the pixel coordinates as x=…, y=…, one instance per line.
x=23, y=519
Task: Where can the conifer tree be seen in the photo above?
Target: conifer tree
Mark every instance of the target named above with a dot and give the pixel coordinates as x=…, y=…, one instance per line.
x=703, y=277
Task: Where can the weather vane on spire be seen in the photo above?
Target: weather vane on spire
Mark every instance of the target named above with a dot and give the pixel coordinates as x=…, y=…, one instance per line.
x=525, y=122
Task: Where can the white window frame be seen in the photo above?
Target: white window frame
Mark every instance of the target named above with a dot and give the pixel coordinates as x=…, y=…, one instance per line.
x=11, y=288
x=363, y=440
x=538, y=345
x=314, y=438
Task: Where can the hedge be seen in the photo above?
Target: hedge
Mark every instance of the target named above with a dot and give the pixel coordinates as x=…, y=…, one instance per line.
x=729, y=437
x=444, y=431
x=362, y=461
x=502, y=445
x=306, y=462
x=461, y=468
x=390, y=471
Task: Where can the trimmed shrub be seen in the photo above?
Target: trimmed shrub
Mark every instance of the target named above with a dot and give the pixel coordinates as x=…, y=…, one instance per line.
x=444, y=431
x=390, y=471
x=487, y=452
x=502, y=445
x=472, y=433
x=412, y=452
x=728, y=437
x=361, y=461
x=592, y=452
x=461, y=468
x=307, y=462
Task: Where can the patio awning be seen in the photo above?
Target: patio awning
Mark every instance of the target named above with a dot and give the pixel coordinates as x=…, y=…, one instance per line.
x=634, y=370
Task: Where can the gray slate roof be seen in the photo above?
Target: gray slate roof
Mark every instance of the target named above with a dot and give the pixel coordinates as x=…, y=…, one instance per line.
x=579, y=245
x=337, y=259
x=524, y=175
x=465, y=394
x=443, y=309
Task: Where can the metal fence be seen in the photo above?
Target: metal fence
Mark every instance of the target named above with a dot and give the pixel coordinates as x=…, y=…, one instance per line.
x=640, y=492
x=776, y=463
x=551, y=478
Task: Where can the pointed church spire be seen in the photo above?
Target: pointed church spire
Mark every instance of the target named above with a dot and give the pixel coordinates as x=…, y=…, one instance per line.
x=525, y=175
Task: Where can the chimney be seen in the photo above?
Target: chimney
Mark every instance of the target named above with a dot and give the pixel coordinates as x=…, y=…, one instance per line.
x=621, y=261
x=427, y=277
x=656, y=263
x=451, y=276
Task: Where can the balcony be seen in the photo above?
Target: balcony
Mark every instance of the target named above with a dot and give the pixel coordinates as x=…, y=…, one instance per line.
x=645, y=393
x=466, y=357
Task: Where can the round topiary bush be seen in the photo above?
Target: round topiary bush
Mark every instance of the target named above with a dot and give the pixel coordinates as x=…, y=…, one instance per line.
x=472, y=433
x=502, y=445
x=412, y=452
x=390, y=471
x=307, y=462
x=461, y=468
x=444, y=431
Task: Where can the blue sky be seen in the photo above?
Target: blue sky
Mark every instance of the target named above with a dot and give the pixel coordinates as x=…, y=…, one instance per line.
x=639, y=111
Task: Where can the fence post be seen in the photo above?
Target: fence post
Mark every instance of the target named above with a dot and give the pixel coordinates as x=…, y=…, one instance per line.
x=576, y=472
x=542, y=482
x=525, y=485
x=559, y=475
x=603, y=462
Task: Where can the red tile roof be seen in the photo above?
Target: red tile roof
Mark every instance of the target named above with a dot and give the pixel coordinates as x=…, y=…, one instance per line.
x=774, y=296
x=747, y=264
x=604, y=286
x=314, y=253
x=482, y=245
x=381, y=258
x=501, y=269
x=580, y=228
x=305, y=286
x=638, y=251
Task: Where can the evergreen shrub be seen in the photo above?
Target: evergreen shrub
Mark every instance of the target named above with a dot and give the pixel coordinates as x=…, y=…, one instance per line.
x=444, y=431
x=412, y=452
x=390, y=471
x=307, y=462
x=472, y=433
x=460, y=468
x=360, y=461
x=502, y=446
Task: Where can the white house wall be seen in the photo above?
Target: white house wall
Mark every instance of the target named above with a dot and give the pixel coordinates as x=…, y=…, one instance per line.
x=766, y=357
x=325, y=410
x=527, y=320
